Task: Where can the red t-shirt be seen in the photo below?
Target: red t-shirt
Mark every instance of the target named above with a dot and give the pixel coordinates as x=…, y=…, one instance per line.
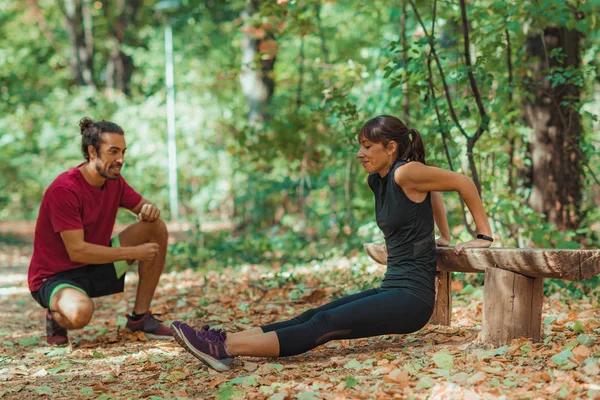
x=71, y=203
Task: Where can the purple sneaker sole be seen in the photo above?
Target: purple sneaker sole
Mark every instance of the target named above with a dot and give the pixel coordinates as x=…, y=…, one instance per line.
x=157, y=337
x=205, y=358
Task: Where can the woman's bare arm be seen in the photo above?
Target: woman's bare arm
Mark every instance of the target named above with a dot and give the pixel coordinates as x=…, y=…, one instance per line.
x=441, y=221
x=417, y=177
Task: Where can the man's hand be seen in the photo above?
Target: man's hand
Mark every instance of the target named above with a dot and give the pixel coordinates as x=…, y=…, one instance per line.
x=149, y=213
x=442, y=242
x=146, y=252
x=472, y=244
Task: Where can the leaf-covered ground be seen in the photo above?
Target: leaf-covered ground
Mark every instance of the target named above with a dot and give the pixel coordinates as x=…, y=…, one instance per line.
x=105, y=361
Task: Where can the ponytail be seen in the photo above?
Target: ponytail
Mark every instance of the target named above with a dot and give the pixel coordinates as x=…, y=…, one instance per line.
x=386, y=128
x=415, y=149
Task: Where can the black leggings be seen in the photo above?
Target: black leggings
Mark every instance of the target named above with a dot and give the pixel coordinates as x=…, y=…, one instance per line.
x=370, y=313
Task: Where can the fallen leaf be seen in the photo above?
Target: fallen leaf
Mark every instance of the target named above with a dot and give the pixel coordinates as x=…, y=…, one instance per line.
x=592, y=369
x=217, y=381
x=353, y=364
x=250, y=366
x=44, y=390
x=443, y=360
x=581, y=352
x=314, y=296
x=477, y=378
x=397, y=376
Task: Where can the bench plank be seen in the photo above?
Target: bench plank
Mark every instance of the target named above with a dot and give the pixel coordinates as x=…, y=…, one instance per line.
x=571, y=265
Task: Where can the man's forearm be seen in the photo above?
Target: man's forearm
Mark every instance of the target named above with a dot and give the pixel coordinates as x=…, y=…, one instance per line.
x=89, y=253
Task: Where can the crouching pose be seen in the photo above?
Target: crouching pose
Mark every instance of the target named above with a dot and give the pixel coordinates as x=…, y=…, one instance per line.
x=74, y=257
x=405, y=204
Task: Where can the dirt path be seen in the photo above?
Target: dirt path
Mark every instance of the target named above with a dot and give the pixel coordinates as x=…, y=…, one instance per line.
x=104, y=361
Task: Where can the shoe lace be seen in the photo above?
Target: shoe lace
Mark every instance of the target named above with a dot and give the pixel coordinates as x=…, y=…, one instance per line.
x=206, y=328
x=152, y=315
x=212, y=335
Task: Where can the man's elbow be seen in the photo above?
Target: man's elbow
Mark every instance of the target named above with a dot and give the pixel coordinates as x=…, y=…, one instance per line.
x=76, y=254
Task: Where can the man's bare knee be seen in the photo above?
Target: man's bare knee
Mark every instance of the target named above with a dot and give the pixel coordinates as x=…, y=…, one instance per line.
x=75, y=308
x=81, y=317
x=159, y=230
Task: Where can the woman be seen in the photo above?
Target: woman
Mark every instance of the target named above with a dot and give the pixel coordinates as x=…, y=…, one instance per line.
x=405, y=203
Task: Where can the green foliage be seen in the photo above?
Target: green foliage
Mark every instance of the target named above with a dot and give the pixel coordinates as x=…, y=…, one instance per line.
x=290, y=184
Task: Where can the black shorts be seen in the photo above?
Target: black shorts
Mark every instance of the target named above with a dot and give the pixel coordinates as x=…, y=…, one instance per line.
x=95, y=280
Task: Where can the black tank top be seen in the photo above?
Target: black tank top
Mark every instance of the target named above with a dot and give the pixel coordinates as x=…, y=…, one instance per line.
x=409, y=237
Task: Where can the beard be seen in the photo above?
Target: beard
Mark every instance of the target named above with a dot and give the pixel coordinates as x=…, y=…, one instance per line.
x=104, y=170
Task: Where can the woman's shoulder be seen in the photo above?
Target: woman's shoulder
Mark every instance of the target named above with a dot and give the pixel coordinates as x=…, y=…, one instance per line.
x=405, y=169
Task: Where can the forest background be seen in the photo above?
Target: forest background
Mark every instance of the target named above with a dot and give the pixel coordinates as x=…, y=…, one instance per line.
x=272, y=207
x=269, y=96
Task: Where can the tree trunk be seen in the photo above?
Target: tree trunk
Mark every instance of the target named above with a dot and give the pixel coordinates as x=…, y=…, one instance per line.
x=259, y=51
x=119, y=67
x=555, y=145
x=348, y=193
x=79, y=26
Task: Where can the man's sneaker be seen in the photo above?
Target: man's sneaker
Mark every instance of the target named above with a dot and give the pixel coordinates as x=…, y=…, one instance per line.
x=152, y=327
x=377, y=252
x=56, y=335
x=207, y=345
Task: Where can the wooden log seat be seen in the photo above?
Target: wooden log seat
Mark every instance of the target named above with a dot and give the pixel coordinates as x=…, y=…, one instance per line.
x=513, y=286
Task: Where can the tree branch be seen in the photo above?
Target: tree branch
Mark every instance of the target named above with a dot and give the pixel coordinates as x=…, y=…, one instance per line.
x=474, y=88
x=443, y=130
x=404, y=43
x=441, y=71
x=300, y=75
x=485, y=119
x=44, y=26
x=321, y=34
x=511, y=181
x=591, y=171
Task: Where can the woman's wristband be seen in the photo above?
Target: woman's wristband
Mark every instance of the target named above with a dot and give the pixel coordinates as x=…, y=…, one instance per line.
x=485, y=237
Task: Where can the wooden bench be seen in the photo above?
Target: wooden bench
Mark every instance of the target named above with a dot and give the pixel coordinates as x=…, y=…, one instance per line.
x=513, y=288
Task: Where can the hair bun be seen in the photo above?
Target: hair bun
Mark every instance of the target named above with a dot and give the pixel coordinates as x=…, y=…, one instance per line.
x=85, y=123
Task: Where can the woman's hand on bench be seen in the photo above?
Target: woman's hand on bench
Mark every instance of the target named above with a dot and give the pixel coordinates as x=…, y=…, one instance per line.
x=442, y=242
x=472, y=244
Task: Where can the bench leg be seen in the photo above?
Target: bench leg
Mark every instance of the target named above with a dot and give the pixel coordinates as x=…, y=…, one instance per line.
x=512, y=307
x=442, y=312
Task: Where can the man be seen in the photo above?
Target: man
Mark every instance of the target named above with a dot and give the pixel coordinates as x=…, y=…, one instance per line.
x=74, y=258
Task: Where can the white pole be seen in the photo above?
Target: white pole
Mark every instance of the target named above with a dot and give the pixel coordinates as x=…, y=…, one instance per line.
x=173, y=192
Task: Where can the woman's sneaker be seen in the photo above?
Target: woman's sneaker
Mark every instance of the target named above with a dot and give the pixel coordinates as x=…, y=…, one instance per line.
x=177, y=325
x=56, y=335
x=208, y=345
x=152, y=327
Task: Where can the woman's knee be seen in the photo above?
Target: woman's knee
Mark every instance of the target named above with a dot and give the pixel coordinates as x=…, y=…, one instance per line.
x=325, y=328
x=305, y=316
x=321, y=322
